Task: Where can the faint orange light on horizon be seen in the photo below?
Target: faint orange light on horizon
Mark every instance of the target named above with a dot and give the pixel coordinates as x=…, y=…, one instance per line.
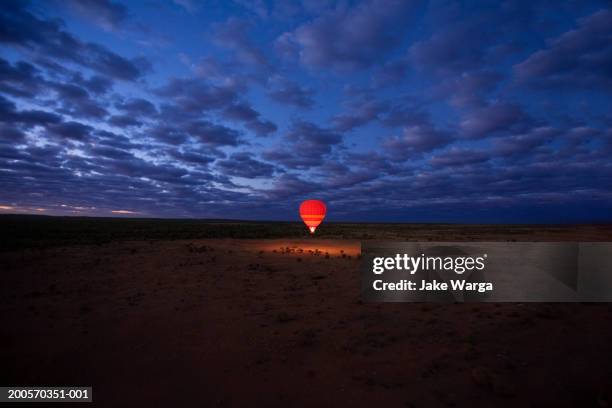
x=123, y=212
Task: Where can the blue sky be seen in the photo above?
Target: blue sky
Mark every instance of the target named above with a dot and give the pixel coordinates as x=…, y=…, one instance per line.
x=440, y=111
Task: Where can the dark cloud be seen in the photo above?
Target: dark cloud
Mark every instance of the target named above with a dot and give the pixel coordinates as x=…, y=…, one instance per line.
x=305, y=145
x=415, y=140
x=70, y=91
x=102, y=151
x=111, y=139
x=197, y=95
x=459, y=48
x=37, y=117
x=517, y=144
x=11, y=134
x=169, y=134
x=70, y=130
x=405, y=113
x=212, y=69
x=100, y=59
x=244, y=165
x=191, y=157
x=459, y=157
x=87, y=110
x=581, y=57
x=374, y=162
x=468, y=36
x=338, y=175
x=234, y=35
x=494, y=118
x=21, y=28
x=140, y=168
x=350, y=37
x=290, y=187
x=243, y=112
x=468, y=89
x=124, y=121
x=212, y=134
x=290, y=93
x=106, y=13
x=361, y=112
x=75, y=101
x=8, y=110
x=8, y=151
x=20, y=79
x=391, y=73
x=9, y=114
x=261, y=127
x=95, y=84
x=286, y=46
x=137, y=107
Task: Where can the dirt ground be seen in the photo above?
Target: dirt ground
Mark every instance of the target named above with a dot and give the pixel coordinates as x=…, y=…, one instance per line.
x=233, y=323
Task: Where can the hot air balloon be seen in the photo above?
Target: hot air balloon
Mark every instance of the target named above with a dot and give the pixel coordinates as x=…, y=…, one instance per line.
x=312, y=213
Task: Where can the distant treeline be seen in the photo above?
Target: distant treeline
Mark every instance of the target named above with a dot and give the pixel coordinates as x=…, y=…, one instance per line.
x=33, y=231
x=30, y=231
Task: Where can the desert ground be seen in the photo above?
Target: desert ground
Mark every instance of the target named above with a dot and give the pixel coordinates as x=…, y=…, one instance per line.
x=187, y=319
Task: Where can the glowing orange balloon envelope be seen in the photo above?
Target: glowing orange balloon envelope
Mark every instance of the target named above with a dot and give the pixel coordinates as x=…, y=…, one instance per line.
x=312, y=213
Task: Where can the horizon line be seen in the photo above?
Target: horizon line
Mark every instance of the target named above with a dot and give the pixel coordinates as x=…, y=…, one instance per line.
x=152, y=218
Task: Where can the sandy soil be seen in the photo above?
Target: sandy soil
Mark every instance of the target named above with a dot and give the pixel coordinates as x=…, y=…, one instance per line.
x=280, y=323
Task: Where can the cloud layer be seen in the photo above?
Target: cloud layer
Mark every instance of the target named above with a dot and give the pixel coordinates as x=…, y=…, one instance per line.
x=387, y=110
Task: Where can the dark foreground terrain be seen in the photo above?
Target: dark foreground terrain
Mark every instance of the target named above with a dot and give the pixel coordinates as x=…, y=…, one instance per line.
x=187, y=313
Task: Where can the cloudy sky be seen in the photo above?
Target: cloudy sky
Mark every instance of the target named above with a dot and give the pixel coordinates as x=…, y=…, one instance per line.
x=387, y=110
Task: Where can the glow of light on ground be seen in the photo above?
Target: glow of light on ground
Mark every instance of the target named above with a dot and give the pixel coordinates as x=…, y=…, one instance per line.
x=333, y=247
